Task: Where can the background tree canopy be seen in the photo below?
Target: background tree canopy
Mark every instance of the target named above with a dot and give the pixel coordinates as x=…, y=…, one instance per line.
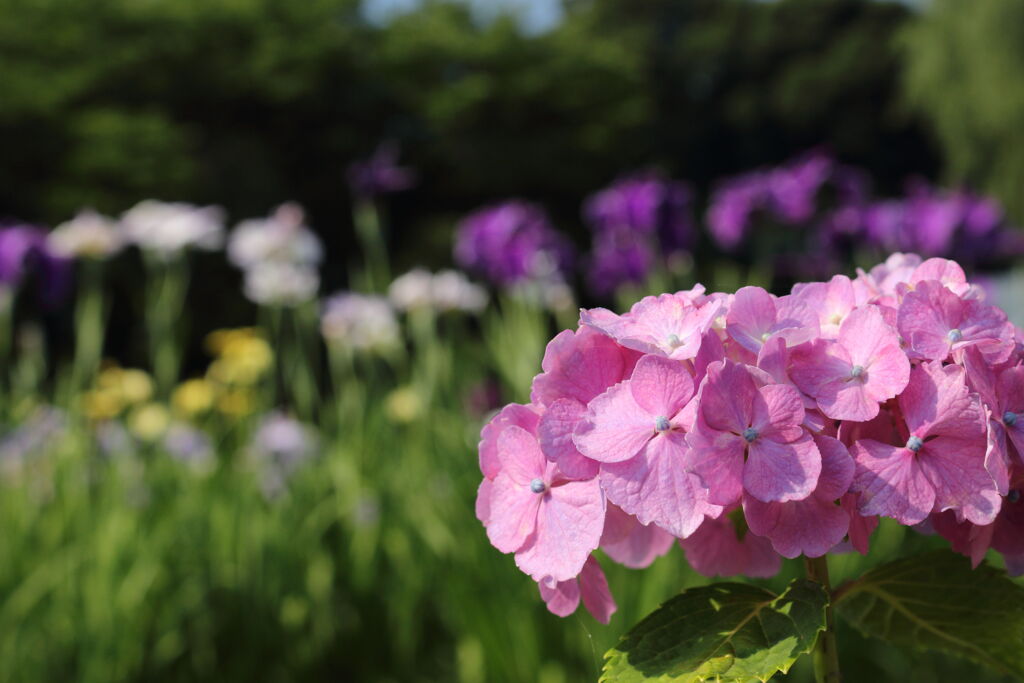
x=251, y=102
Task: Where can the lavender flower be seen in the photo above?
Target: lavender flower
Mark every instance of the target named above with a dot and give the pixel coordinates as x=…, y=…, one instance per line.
x=280, y=446
x=188, y=445
x=637, y=222
x=512, y=242
x=380, y=174
x=40, y=431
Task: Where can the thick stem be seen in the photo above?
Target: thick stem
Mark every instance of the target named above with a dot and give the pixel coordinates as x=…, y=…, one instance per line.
x=826, y=656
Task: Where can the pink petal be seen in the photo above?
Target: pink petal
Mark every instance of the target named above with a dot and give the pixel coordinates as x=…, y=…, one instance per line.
x=861, y=527
x=578, y=365
x=837, y=468
x=555, y=434
x=569, y=525
x=512, y=414
x=615, y=427
x=667, y=325
x=965, y=538
x=520, y=455
x=597, y=597
x=873, y=344
x=891, y=483
x=717, y=457
x=631, y=543
x=726, y=397
x=716, y=549
x=561, y=597
x=949, y=273
x=483, y=501
x=776, y=407
x=926, y=316
x=811, y=527
x=657, y=488
x=781, y=471
x=956, y=469
x=513, y=513
x=937, y=401
x=751, y=317
x=661, y=386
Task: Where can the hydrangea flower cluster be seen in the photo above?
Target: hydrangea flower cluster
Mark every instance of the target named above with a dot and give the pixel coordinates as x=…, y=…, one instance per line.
x=752, y=427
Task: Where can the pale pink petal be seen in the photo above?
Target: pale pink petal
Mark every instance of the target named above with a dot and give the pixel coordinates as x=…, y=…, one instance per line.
x=631, y=543
x=578, y=365
x=837, y=468
x=751, y=317
x=513, y=513
x=520, y=455
x=656, y=487
x=615, y=427
x=891, y=483
x=997, y=456
x=569, y=525
x=871, y=343
x=483, y=501
x=597, y=597
x=513, y=414
x=717, y=457
x=555, y=434
x=667, y=325
x=861, y=527
x=949, y=273
x=716, y=549
x=781, y=471
x=822, y=369
x=937, y=401
x=661, y=386
x=795, y=321
x=926, y=317
x=561, y=597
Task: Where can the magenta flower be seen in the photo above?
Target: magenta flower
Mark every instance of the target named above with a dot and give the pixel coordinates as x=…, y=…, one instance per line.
x=942, y=464
x=750, y=438
x=755, y=316
x=551, y=523
x=1002, y=392
x=669, y=325
x=719, y=548
x=513, y=414
x=850, y=376
x=814, y=525
x=563, y=597
x=634, y=429
x=935, y=322
x=631, y=543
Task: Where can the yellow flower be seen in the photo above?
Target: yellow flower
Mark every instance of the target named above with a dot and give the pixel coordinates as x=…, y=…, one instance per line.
x=235, y=403
x=149, y=422
x=243, y=356
x=193, y=397
x=403, y=405
x=101, y=404
x=136, y=386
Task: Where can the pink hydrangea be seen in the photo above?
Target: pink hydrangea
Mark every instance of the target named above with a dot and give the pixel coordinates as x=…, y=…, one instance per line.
x=725, y=547
x=669, y=325
x=563, y=597
x=756, y=316
x=935, y=322
x=941, y=464
x=631, y=543
x=750, y=438
x=635, y=430
x=850, y=376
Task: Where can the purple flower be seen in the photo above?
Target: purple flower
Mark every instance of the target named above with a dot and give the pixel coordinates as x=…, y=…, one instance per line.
x=732, y=207
x=25, y=253
x=380, y=174
x=635, y=221
x=512, y=243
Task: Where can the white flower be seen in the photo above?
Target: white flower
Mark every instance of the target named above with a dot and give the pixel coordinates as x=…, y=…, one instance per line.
x=448, y=290
x=281, y=237
x=279, y=447
x=361, y=321
x=284, y=284
x=87, y=235
x=167, y=229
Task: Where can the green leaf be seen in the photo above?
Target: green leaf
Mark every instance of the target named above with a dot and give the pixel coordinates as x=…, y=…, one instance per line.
x=937, y=601
x=724, y=632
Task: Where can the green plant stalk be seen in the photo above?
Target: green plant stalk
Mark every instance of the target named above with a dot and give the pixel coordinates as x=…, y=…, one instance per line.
x=165, y=298
x=826, y=656
x=89, y=323
x=370, y=229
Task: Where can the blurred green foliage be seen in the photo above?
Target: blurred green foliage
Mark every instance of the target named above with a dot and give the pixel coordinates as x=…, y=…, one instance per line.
x=964, y=72
x=247, y=103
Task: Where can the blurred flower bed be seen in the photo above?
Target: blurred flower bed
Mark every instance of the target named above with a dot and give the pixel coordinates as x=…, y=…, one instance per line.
x=302, y=507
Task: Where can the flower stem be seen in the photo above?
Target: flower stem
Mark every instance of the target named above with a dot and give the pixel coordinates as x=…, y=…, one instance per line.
x=826, y=656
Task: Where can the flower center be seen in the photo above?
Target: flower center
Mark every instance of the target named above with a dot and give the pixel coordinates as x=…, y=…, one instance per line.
x=856, y=371
x=914, y=443
x=661, y=424
x=674, y=341
x=1009, y=419
x=749, y=434
x=1013, y=496
x=537, y=486
x=954, y=335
